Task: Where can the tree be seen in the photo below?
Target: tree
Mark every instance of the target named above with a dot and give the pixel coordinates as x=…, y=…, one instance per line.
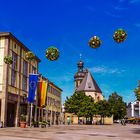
x=137, y=92
x=81, y=105
x=103, y=109
x=117, y=106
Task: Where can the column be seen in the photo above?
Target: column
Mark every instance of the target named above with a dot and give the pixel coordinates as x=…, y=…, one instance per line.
x=51, y=115
x=39, y=115
x=4, y=111
x=132, y=109
x=28, y=114
x=54, y=117
x=17, y=114
x=139, y=108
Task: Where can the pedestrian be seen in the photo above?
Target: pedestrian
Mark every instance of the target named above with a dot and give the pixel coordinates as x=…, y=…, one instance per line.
x=123, y=122
x=49, y=123
x=68, y=119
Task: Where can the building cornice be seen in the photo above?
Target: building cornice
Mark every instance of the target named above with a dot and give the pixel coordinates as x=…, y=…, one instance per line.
x=10, y=35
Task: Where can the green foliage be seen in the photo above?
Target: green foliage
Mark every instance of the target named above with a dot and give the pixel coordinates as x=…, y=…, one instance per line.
x=104, y=108
x=84, y=106
x=29, y=56
x=52, y=53
x=23, y=118
x=117, y=106
x=80, y=104
x=8, y=60
x=137, y=92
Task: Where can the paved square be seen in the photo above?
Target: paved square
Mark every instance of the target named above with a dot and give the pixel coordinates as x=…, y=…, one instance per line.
x=73, y=132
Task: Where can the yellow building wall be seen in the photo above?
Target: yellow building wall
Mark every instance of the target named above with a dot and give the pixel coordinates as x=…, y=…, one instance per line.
x=95, y=95
x=74, y=119
x=56, y=98
x=2, y=45
x=108, y=120
x=14, y=47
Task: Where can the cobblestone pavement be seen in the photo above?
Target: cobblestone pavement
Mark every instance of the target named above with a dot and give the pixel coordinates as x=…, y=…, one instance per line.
x=73, y=132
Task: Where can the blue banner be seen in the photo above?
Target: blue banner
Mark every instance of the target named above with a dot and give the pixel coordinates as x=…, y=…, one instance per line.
x=33, y=79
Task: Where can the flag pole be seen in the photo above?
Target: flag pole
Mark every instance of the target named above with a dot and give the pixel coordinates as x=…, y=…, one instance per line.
x=31, y=113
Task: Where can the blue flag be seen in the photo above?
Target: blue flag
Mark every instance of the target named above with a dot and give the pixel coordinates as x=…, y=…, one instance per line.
x=33, y=79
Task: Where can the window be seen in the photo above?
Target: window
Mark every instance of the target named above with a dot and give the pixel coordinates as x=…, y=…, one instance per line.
x=25, y=73
x=14, y=68
x=89, y=85
x=15, y=58
x=49, y=89
x=13, y=78
x=24, y=83
x=25, y=68
x=33, y=69
x=15, y=46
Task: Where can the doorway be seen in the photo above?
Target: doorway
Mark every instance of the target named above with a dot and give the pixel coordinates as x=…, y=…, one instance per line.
x=11, y=110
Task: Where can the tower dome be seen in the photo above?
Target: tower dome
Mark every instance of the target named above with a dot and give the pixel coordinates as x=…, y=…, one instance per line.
x=78, y=77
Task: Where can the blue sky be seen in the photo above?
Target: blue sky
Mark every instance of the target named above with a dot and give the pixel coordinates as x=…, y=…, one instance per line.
x=69, y=24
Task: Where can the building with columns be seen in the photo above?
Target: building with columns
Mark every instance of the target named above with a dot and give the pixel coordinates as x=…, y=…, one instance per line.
x=85, y=82
x=52, y=110
x=14, y=78
x=14, y=86
x=133, y=109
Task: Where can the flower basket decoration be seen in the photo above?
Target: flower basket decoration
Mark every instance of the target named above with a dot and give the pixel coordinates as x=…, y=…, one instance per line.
x=52, y=53
x=95, y=42
x=8, y=60
x=120, y=35
x=23, y=118
x=29, y=56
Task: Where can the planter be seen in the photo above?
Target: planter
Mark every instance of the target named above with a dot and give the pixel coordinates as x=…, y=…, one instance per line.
x=52, y=53
x=8, y=60
x=22, y=124
x=29, y=56
x=120, y=35
x=95, y=42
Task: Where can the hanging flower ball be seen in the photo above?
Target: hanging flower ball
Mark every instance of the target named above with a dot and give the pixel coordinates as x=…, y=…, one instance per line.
x=29, y=56
x=52, y=53
x=8, y=60
x=120, y=35
x=94, y=42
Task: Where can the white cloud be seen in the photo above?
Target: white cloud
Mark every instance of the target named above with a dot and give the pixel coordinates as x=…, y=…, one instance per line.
x=106, y=70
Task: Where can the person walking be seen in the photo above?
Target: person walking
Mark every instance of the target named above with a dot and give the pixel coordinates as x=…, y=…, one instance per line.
x=123, y=122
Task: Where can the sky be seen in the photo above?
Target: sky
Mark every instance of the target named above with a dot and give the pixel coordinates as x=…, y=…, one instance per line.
x=68, y=25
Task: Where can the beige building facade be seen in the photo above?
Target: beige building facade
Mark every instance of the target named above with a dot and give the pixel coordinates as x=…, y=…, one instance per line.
x=14, y=86
x=14, y=78
x=52, y=111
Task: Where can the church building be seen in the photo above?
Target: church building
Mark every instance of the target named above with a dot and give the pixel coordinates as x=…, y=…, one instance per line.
x=85, y=82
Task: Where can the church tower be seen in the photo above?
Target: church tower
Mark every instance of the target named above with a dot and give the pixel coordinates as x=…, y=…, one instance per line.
x=79, y=76
x=85, y=82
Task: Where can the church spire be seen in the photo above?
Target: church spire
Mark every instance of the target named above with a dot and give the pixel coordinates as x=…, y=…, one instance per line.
x=80, y=64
